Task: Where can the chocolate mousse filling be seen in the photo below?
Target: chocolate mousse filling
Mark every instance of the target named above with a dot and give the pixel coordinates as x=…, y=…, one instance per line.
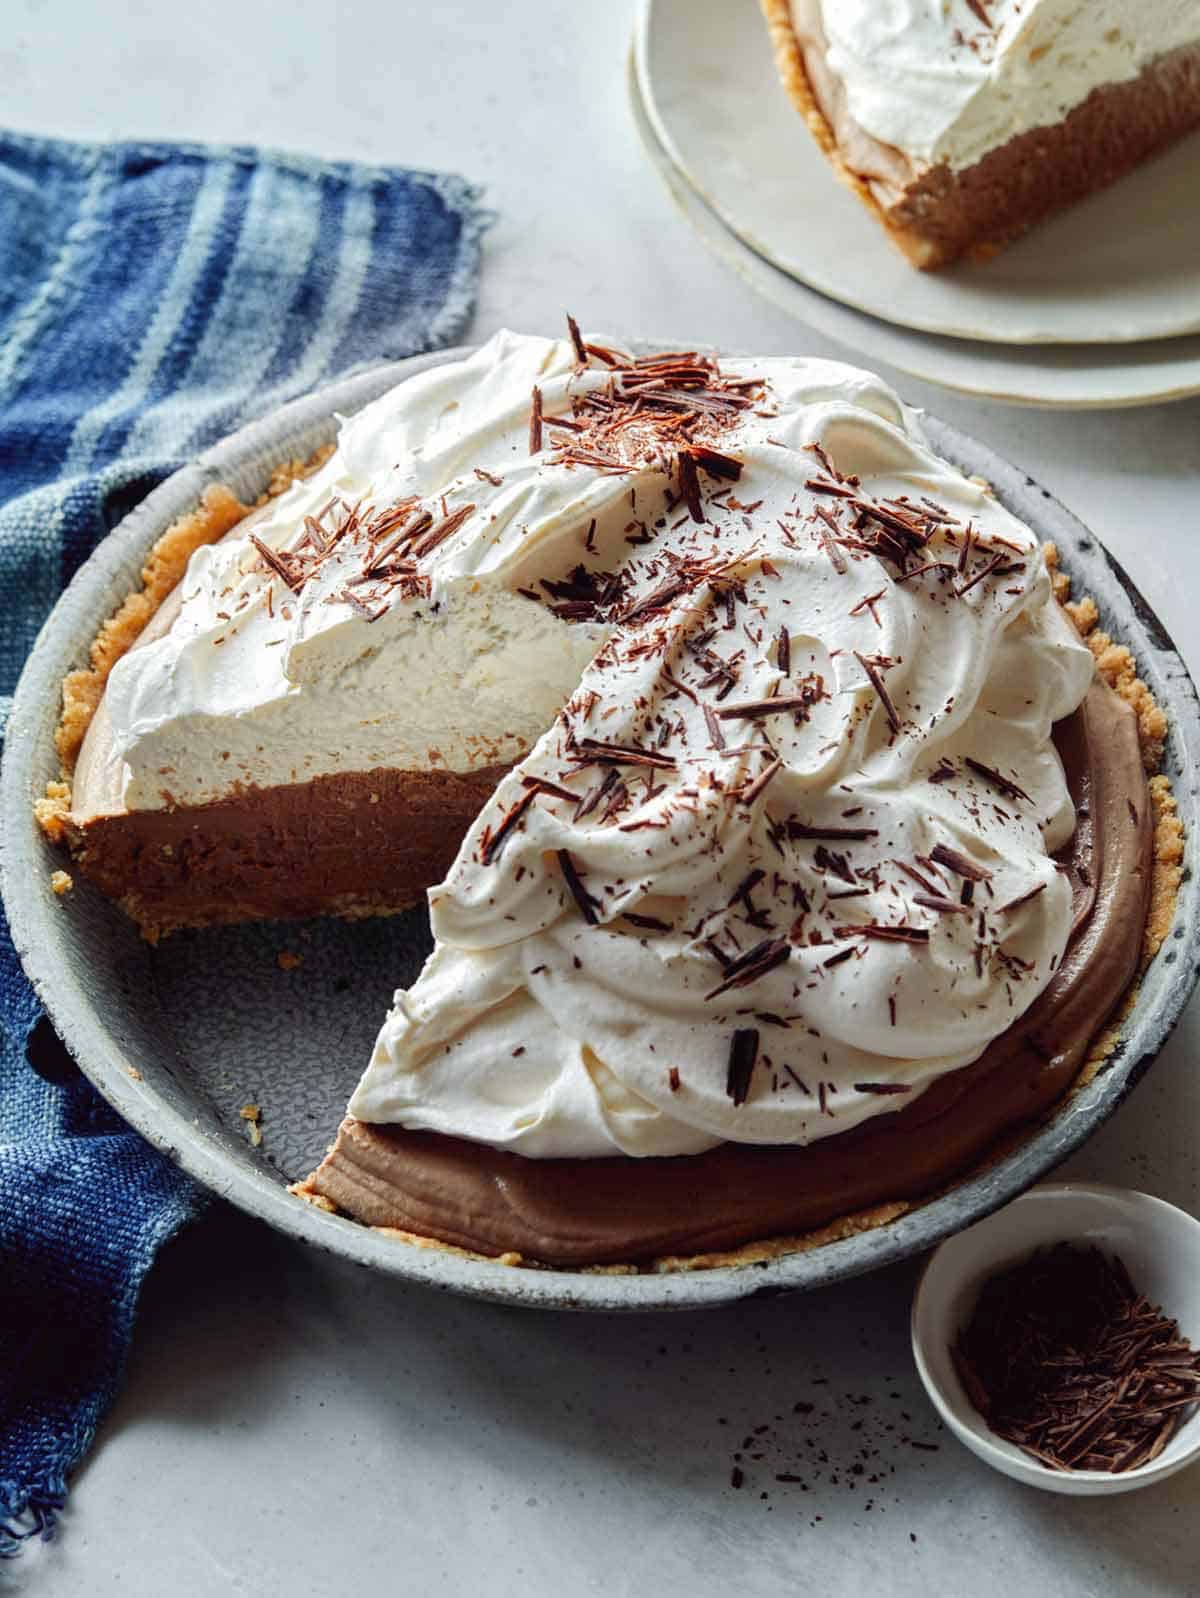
x=573, y=1212
x=347, y=843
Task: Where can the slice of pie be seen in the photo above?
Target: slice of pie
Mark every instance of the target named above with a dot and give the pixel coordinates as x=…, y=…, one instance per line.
x=783, y=844
x=961, y=123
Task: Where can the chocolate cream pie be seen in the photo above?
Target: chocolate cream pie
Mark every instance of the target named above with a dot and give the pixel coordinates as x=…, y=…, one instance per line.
x=960, y=123
x=795, y=843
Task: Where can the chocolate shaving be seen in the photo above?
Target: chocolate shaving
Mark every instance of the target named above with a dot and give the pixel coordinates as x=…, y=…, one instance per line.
x=817, y=485
x=590, y=751
x=535, y=422
x=1003, y=784
x=713, y=723
x=883, y=1087
x=984, y=571
x=751, y=791
x=960, y=864
x=935, y=901
x=828, y=535
x=689, y=486
x=783, y=652
x=412, y=526
x=801, y=829
x=440, y=531
x=593, y=796
x=587, y=905
x=885, y=699
x=964, y=553
x=885, y=933
x=922, y=882
x=747, y=885
x=277, y=564
x=360, y=605
x=929, y=566
x=743, y=1052
x=493, y=842
x=823, y=456
x=581, y=354
x=755, y=709
x=714, y=463
x=751, y=965
x=910, y=533
x=657, y=599
x=1024, y=898
x=542, y=785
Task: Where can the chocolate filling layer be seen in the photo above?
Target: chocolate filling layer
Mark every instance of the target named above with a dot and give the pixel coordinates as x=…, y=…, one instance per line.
x=349, y=843
x=592, y=1212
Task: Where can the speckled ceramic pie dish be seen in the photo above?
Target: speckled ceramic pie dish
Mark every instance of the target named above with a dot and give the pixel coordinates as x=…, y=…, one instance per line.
x=181, y=1036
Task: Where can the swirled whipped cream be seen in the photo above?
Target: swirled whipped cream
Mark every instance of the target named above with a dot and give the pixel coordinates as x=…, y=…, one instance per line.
x=949, y=80
x=783, y=858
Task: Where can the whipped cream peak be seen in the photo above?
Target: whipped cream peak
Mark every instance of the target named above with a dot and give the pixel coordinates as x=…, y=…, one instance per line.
x=949, y=80
x=783, y=857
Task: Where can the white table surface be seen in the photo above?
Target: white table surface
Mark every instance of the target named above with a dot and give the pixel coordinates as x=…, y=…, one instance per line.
x=290, y=1425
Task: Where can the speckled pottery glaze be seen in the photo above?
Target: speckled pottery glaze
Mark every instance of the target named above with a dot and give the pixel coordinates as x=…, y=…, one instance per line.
x=179, y=1037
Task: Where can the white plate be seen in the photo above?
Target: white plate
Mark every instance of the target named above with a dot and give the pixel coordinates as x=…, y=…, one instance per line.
x=1122, y=266
x=1055, y=376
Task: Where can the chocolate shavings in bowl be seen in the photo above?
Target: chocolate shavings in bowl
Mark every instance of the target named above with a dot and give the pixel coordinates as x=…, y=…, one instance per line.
x=1066, y=1359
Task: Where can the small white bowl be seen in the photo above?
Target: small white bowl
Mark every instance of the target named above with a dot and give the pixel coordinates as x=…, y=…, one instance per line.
x=1160, y=1246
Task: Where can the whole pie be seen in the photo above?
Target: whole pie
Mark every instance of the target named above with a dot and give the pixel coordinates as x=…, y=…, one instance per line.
x=960, y=123
x=788, y=848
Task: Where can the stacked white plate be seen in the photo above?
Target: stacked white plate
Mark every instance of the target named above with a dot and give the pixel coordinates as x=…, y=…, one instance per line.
x=1097, y=307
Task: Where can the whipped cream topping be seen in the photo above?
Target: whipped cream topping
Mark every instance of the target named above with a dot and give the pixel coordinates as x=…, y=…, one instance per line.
x=949, y=80
x=783, y=857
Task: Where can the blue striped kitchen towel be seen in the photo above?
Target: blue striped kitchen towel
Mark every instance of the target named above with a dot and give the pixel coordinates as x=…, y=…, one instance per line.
x=153, y=297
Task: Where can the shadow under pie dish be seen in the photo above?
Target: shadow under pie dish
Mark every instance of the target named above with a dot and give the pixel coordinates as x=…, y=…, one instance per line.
x=962, y=125
x=603, y=1151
